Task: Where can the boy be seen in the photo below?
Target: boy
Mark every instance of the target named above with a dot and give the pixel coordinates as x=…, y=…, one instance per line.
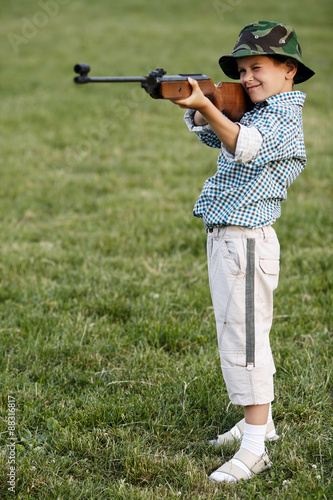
x=259, y=158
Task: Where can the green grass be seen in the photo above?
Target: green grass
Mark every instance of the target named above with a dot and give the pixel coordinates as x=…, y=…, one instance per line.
x=107, y=332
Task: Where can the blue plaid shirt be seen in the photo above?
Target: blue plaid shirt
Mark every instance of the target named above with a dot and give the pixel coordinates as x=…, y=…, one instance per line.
x=249, y=193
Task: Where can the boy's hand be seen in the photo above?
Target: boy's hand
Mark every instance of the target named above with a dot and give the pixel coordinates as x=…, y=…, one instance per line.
x=226, y=130
x=196, y=100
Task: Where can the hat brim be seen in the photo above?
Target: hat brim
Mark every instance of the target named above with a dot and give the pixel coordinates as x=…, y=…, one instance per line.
x=229, y=67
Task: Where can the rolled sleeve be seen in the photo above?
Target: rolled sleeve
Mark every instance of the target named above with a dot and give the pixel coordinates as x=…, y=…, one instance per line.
x=189, y=120
x=248, y=144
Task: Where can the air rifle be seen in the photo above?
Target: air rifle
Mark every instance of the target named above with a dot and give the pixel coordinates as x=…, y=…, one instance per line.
x=228, y=97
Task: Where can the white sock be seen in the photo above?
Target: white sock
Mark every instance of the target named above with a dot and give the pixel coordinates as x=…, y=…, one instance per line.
x=270, y=418
x=254, y=438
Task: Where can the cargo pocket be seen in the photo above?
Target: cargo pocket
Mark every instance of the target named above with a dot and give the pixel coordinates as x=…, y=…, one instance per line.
x=269, y=277
x=269, y=266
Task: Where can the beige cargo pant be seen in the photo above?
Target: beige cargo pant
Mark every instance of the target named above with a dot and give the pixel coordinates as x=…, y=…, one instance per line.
x=243, y=269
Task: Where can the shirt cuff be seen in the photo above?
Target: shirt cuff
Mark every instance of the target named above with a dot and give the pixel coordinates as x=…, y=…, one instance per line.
x=248, y=144
x=189, y=120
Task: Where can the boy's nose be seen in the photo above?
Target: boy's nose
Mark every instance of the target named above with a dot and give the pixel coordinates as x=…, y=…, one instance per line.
x=248, y=77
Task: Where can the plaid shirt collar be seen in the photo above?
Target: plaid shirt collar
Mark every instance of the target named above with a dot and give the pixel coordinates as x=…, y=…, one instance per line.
x=294, y=97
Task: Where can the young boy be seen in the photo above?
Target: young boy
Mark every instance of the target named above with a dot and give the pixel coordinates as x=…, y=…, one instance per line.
x=259, y=158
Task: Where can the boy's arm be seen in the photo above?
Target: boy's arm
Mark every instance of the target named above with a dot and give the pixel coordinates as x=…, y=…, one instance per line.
x=226, y=130
x=198, y=119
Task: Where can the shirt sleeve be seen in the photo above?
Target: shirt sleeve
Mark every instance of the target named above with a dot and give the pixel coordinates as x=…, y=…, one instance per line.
x=248, y=144
x=204, y=132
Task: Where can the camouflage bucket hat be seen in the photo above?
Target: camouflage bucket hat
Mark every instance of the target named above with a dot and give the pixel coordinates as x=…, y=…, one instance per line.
x=266, y=38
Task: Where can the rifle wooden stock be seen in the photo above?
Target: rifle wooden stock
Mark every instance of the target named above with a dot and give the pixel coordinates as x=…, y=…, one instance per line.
x=228, y=97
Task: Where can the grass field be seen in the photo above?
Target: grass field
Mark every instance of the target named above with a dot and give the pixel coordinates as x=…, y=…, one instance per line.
x=109, y=358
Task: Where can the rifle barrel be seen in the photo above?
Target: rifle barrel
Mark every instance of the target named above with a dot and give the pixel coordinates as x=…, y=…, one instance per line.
x=121, y=79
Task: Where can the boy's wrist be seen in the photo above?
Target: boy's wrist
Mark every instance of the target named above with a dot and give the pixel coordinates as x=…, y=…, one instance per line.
x=205, y=106
x=199, y=117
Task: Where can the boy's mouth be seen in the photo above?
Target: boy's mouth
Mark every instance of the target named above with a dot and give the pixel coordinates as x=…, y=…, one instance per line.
x=252, y=87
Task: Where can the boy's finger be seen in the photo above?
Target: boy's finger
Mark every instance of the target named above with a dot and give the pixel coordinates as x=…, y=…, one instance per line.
x=192, y=82
x=179, y=102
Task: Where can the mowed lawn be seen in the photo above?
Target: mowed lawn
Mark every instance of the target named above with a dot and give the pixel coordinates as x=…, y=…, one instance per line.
x=110, y=380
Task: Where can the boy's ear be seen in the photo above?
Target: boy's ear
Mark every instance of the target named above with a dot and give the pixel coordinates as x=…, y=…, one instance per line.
x=292, y=66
